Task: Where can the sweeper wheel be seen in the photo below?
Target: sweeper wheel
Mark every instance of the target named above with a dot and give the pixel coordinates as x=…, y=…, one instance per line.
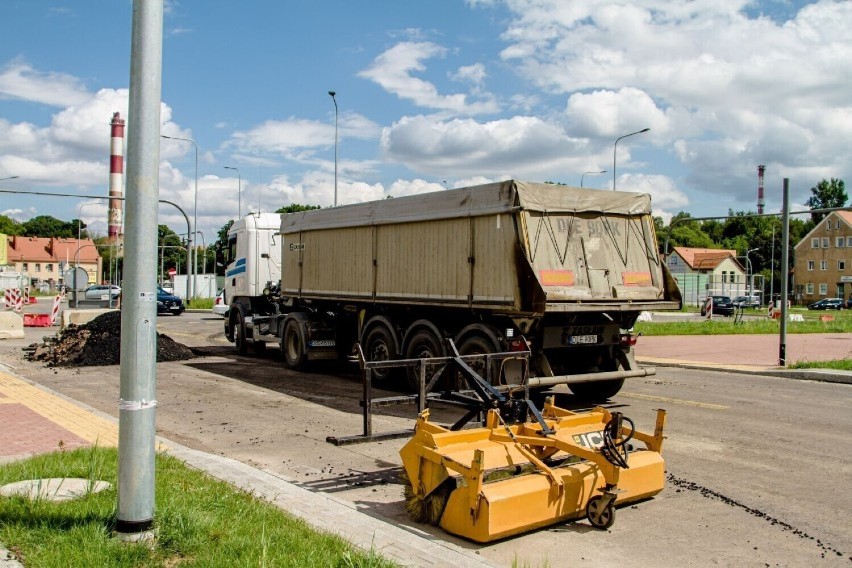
x=427, y=509
x=601, y=516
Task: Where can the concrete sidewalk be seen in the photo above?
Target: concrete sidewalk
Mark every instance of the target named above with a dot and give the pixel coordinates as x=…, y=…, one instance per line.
x=36, y=420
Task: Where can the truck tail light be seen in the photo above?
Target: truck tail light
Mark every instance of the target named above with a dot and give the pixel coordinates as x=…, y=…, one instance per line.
x=628, y=339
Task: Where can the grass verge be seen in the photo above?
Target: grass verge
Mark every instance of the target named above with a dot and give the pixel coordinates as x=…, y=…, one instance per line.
x=840, y=323
x=838, y=364
x=200, y=521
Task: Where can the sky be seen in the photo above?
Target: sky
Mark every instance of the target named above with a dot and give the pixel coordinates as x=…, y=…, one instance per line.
x=431, y=95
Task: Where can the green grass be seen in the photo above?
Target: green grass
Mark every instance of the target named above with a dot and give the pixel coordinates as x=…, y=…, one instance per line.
x=838, y=364
x=199, y=521
x=841, y=323
x=200, y=303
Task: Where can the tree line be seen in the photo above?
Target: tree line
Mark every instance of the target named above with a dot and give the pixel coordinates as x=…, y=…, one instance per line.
x=741, y=231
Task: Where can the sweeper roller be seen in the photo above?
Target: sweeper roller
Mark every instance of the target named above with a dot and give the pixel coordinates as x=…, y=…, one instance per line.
x=502, y=479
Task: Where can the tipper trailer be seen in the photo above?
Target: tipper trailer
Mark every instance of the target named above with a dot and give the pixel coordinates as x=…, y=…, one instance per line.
x=567, y=269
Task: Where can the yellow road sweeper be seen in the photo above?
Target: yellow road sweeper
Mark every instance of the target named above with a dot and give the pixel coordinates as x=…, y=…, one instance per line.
x=524, y=468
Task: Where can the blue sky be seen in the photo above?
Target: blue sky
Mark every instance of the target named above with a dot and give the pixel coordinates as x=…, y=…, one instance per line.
x=432, y=94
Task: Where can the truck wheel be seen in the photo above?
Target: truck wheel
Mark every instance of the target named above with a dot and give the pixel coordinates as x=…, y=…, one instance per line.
x=240, y=334
x=597, y=391
x=379, y=345
x=422, y=345
x=293, y=345
x=474, y=344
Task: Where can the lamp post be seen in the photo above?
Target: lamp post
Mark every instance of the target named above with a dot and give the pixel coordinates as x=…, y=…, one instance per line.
x=8, y=178
x=332, y=94
x=193, y=262
x=593, y=173
x=615, y=146
x=239, y=191
x=749, y=279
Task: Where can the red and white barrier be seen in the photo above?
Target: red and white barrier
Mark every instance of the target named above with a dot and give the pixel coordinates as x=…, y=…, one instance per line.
x=57, y=300
x=12, y=299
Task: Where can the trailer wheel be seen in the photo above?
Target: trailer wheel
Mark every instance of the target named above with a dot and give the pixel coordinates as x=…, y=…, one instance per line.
x=600, y=516
x=240, y=334
x=379, y=345
x=474, y=344
x=597, y=391
x=423, y=344
x=293, y=345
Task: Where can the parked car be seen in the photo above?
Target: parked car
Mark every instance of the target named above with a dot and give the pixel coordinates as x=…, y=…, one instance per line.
x=220, y=306
x=722, y=306
x=168, y=303
x=746, y=302
x=827, y=304
x=102, y=292
x=849, y=303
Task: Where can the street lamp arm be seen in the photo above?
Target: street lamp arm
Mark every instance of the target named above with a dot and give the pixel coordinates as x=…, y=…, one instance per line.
x=615, y=146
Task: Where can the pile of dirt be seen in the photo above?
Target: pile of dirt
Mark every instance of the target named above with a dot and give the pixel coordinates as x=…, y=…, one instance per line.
x=97, y=343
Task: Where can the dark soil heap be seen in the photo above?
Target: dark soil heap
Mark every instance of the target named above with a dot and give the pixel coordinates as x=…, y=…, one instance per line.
x=97, y=343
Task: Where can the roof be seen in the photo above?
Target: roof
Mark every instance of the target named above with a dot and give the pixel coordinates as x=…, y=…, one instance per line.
x=488, y=199
x=705, y=258
x=50, y=249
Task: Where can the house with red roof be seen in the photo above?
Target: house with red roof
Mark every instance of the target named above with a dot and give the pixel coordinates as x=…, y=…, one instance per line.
x=702, y=272
x=45, y=260
x=823, y=267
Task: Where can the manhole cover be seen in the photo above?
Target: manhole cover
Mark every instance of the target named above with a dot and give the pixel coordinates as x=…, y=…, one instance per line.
x=54, y=488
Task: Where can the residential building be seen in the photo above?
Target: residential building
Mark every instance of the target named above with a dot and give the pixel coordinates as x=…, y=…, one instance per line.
x=45, y=260
x=702, y=272
x=823, y=267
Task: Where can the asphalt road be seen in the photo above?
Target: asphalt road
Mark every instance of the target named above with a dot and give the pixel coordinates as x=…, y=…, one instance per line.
x=758, y=468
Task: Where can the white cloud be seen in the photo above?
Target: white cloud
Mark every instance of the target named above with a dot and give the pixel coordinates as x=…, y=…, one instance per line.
x=20, y=81
x=463, y=147
x=665, y=196
x=394, y=71
x=610, y=114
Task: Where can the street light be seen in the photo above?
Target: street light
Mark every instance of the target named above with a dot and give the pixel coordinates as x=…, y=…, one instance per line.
x=749, y=280
x=614, y=146
x=239, y=191
x=593, y=173
x=8, y=178
x=193, y=262
x=331, y=94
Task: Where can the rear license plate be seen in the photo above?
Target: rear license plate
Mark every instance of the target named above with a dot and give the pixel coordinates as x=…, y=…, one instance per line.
x=582, y=339
x=322, y=343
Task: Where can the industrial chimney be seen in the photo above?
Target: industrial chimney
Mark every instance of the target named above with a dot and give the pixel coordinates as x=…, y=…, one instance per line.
x=116, y=173
x=760, y=200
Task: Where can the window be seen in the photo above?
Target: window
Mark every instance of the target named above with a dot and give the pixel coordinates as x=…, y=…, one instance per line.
x=849, y=242
x=825, y=242
x=38, y=267
x=25, y=266
x=823, y=289
x=810, y=265
x=810, y=288
x=839, y=242
x=815, y=243
x=841, y=265
x=839, y=291
x=48, y=267
x=823, y=265
x=724, y=276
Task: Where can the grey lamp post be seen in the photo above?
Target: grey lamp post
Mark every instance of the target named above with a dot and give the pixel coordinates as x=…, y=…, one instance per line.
x=749, y=280
x=332, y=94
x=593, y=173
x=239, y=191
x=193, y=262
x=615, y=146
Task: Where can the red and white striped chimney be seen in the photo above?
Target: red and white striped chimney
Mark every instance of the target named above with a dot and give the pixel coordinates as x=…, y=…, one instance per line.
x=116, y=174
x=760, y=200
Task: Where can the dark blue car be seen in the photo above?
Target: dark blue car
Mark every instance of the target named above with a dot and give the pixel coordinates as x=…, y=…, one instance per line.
x=168, y=303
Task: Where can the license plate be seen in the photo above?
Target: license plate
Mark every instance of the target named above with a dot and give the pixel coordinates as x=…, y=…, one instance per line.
x=582, y=339
x=322, y=343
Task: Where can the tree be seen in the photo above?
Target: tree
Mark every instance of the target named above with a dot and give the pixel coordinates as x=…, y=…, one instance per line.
x=46, y=226
x=827, y=194
x=9, y=226
x=172, y=249
x=296, y=207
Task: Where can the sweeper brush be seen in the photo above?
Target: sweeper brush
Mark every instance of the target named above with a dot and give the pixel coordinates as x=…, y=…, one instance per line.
x=512, y=475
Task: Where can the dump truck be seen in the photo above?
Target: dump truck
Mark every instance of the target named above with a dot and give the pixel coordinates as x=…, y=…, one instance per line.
x=494, y=267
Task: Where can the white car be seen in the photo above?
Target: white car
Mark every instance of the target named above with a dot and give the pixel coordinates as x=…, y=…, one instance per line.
x=102, y=292
x=220, y=307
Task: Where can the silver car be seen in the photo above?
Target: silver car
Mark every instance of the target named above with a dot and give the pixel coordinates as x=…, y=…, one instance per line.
x=220, y=306
x=102, y=292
